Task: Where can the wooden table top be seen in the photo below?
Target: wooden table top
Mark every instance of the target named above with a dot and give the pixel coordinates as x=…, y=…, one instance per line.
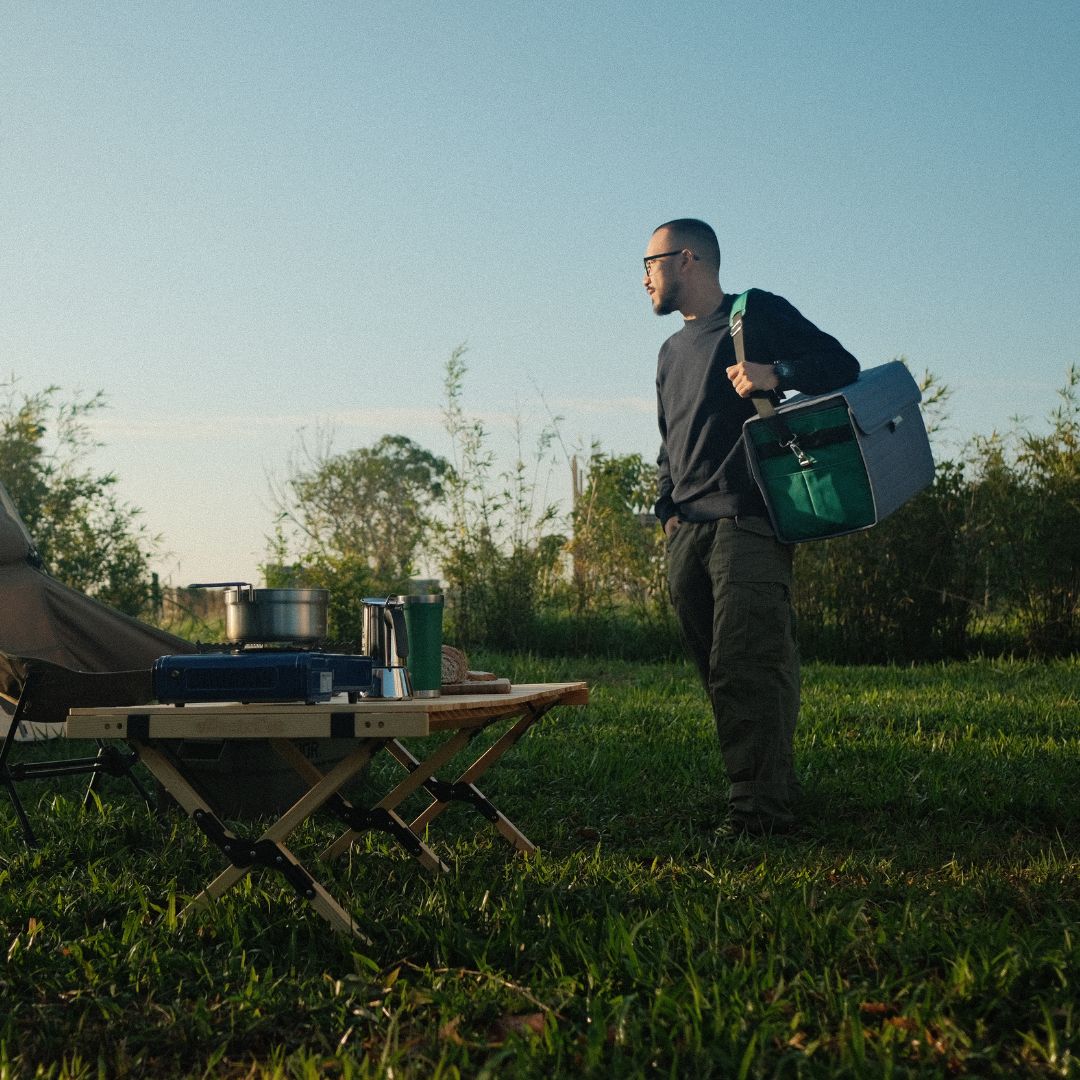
x=367, y=718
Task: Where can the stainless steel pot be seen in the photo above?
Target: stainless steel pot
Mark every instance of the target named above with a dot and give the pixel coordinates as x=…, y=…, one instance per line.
x=271, y=616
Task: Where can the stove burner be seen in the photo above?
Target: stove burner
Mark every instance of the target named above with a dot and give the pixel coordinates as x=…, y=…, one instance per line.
x=235, y=648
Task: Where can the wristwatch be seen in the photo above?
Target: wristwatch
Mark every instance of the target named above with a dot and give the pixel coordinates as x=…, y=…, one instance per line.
x=785, y=373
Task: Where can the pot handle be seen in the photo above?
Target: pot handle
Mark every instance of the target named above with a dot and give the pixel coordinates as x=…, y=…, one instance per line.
x=225, y=585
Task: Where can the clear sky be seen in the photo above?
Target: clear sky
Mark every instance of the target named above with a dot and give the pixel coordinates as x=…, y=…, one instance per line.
x=244, y=219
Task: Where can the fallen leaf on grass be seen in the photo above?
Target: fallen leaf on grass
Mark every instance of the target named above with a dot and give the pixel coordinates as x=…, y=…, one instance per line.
x=449, y=1032
x=902, y=1023
x=877, y=1008
x=525, y=1024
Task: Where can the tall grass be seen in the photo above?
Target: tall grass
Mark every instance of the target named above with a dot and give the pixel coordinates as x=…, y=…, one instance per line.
x=922, y=923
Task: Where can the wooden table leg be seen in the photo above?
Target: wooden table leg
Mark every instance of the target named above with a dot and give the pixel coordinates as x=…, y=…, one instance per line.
x=315, y=894
x=311, y=889
x=416, y=779
x=466, y=780
x=311, y=773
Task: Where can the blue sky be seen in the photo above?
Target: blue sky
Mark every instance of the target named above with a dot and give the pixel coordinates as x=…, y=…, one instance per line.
x=244, y=219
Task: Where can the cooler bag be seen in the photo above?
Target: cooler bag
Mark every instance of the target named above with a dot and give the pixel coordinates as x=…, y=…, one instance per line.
x=836, y=463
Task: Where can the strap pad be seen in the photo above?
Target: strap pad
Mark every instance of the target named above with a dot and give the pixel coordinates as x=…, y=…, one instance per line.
x=763, y=399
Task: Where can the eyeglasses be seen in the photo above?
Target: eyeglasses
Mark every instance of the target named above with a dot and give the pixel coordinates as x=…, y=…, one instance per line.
x=663, y=255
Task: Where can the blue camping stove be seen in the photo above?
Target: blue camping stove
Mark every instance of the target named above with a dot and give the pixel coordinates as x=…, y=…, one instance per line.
x=261, y=675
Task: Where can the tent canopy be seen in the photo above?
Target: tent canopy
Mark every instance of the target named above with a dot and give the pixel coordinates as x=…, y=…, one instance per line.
x=43, y=619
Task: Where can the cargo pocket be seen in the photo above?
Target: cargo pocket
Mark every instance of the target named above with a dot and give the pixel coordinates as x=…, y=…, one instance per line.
x=757, y=555
x=754, y=622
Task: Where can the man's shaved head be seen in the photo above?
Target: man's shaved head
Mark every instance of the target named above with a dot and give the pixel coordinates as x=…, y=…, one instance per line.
x=695, y=235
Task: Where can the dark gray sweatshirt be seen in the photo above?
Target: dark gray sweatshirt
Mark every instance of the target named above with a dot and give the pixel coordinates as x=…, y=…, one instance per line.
x=703, y=471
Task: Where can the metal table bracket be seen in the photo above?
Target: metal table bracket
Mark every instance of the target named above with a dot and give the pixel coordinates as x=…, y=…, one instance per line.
x=244, y=853
x=377, y=818
x=445, y=791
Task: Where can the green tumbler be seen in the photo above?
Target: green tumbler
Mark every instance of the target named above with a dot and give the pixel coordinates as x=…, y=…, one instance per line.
x=423, y=624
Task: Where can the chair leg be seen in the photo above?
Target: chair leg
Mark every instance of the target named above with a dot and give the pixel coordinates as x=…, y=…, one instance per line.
x=9, y=783
x=20, y=813
x=123, y=768
x=108, y=759
x=137, y=785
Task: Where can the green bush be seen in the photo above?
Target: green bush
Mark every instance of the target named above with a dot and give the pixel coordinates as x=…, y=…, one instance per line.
x=987, y=559
x=500, y=550
x=901, y=591
x=617, y=546
x=86, y=537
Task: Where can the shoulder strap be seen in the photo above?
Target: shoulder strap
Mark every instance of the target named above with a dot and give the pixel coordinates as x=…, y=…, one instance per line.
x=738, y=308
x=763, y=399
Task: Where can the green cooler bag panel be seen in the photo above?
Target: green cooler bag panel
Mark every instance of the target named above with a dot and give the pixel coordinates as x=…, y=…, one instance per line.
x=868, y=449
x=830, y=496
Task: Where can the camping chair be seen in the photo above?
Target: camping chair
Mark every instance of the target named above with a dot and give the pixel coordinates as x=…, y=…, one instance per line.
x=47, y=693
x=61, y=649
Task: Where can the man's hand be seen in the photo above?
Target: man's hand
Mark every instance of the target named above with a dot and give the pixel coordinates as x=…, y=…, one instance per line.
x=671, y=525
x=748, y=377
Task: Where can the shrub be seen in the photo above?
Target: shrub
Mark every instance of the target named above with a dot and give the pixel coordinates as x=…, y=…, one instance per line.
x=86, y=537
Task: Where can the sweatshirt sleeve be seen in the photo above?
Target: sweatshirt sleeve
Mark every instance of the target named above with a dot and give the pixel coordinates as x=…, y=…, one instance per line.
x=664, y=507
x=809, y=360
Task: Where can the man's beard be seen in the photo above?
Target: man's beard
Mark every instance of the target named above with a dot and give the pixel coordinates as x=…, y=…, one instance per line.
x=665, y=301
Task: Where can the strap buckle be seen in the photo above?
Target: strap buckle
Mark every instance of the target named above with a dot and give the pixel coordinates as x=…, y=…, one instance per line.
x=804, y=459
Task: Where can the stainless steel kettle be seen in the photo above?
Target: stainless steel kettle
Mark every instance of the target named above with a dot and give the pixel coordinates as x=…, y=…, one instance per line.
x=385, y=639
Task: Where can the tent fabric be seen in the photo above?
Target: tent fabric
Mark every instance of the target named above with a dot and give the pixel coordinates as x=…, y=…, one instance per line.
x=60, y=648
x=15, y=542
x=43, y=619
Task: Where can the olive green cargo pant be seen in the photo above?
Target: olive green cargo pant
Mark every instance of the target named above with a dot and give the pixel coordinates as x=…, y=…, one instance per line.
x=730, y=584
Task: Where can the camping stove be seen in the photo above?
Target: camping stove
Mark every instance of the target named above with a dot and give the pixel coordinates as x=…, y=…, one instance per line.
x=260, y=675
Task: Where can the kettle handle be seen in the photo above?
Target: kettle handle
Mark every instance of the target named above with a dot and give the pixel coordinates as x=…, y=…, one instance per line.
x=395, y=618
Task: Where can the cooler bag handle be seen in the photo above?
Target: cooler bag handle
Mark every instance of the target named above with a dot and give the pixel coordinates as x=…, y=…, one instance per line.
x=764, y=400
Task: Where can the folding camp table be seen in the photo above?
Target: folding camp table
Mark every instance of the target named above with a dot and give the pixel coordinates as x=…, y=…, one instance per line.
x=373, y=725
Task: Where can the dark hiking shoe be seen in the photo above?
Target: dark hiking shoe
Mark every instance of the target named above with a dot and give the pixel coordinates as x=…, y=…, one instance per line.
x=754, y=826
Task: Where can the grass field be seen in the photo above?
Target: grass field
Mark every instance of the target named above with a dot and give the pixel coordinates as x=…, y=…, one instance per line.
x=923, y=924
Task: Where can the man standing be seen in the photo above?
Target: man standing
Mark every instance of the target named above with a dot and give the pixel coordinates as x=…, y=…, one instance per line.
x=729, y=577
